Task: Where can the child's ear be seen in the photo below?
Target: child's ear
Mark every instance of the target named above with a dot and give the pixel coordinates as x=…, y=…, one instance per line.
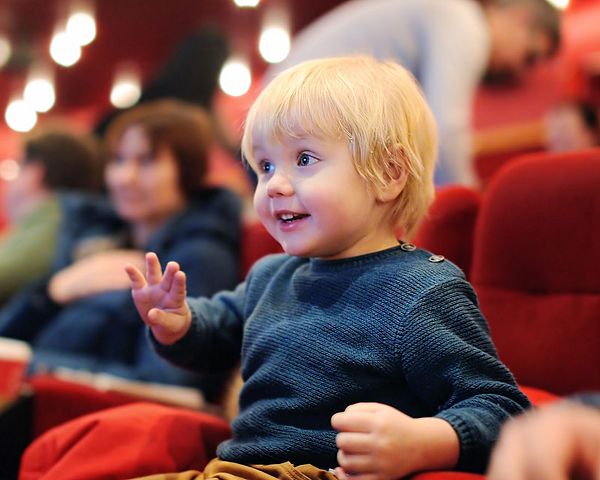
x=395, y=177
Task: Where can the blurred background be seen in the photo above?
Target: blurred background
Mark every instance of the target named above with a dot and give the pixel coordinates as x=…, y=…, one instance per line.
x=76, y=61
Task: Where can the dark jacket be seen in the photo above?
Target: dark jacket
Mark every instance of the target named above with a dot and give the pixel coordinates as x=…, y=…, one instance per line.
x=104, y=333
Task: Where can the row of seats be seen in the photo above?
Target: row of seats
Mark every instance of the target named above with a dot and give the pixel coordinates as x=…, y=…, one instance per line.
x=529, y=246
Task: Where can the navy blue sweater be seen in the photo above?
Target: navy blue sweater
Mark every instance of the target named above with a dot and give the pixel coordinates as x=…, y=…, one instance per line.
x=316, y=336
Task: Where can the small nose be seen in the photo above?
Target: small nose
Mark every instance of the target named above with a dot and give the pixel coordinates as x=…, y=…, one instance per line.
x=279, y=185
x=125, y=172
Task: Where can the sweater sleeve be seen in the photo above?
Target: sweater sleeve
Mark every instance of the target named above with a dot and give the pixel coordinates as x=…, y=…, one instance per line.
x=451, y=363
x=213, y=342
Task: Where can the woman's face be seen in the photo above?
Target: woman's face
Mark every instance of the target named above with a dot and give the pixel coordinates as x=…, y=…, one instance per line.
x=143, y=185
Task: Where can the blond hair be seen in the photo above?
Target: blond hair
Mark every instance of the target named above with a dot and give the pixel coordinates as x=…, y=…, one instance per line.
x=376, y=106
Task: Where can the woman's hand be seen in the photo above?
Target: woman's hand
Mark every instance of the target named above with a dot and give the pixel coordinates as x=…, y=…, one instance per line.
x=98, y=273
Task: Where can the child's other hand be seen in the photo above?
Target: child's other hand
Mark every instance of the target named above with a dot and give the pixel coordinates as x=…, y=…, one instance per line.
x=374, y=442
x=161, y=299
x=379, y=442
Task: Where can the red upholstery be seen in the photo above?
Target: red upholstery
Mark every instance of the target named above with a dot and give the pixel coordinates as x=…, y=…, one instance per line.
x=539, y=397
x=256, y=243
x=56, y=401
x=124, y=442
x=449, y=226
x=487, y=166
x=447, y=476
x=535, y=269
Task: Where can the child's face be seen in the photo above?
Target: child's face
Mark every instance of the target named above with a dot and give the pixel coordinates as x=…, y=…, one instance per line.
x=312, y=200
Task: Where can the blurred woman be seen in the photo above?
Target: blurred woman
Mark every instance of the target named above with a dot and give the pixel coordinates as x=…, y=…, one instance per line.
x=82, y=317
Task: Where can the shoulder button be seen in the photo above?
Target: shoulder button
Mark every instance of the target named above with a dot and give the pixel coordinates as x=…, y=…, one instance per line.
x=408, y=247
x=436, y=258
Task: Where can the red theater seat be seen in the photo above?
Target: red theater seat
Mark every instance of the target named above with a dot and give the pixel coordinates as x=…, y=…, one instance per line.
x=124, y=442
x=256, y=243
x=535, y=269
x=448, y=228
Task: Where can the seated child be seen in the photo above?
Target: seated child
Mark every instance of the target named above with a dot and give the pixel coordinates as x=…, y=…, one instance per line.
x=344, y=151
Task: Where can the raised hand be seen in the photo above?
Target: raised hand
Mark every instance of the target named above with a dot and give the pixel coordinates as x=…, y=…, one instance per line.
x=161, y=299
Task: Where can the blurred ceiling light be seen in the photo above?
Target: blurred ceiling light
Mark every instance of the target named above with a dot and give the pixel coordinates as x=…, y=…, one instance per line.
x=39, y=90
x=235, y=78
x=20, y=116
x=561, y=4
x=39, y=93
x=247, y=3
x=64, y=50
x=5, y=50
x=274, y=44
x=126, y=89
x=81, y=27
x=9, y=169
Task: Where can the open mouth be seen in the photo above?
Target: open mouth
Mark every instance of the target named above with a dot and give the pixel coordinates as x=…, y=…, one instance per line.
x=291, y=217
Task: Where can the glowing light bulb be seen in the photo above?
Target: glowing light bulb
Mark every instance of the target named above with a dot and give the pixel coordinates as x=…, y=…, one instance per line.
x=9, y=169
x=235, y=78
x=274, y=44
x=126, y=89
x=64, y=50
x=5, y=50
x=246, y=3
x=20, y=116
x=39, y=94
x=81, y=27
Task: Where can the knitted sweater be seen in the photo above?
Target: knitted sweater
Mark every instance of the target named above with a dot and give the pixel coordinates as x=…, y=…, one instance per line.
x=316, y=336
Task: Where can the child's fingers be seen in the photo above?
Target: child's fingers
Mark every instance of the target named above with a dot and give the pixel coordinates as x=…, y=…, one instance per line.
x=365, y=476
x=354, y=443
x=160, y=318
x=178, y=287
x=355, y=464
x=342, y=475
x=135, y=277
x=365, y=407
x=352, y=422
x=153, y=270
x=167, y=281
x=339, y=473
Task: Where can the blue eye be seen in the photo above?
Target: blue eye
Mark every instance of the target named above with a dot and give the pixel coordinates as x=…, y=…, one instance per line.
x=264, y=166
x=306, y=159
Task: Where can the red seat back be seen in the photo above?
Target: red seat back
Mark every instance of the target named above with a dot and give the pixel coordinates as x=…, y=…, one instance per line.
x=535, y=268
x=448, y=228
x=256, y=243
